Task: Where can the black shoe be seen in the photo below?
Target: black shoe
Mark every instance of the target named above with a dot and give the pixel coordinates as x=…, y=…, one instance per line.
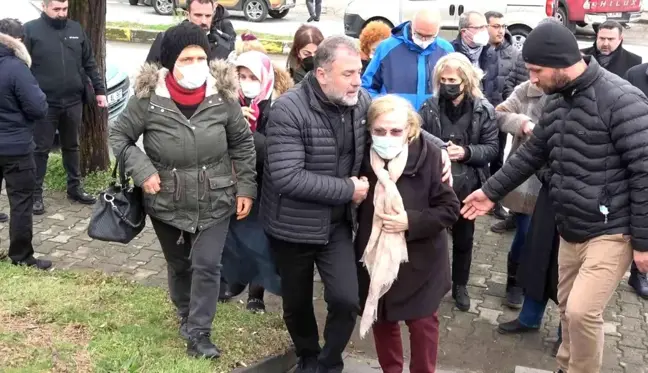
x=201, y=346
x=33, y=262
x=556, y=347
x=498, y=212
x=255, y=305
x=4, y=217
x=223, y=294
x=184, y=332
x=514, y=327
x=81, y=197
x=514, y=297
x=316, y=19
x=306, y=365
x=503, y=226
x=39, y=206
x=461, y=297
x=310, y=19
x=639, y=283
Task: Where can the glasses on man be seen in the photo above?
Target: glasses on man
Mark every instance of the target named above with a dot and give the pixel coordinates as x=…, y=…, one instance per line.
x=478, y=28
x=424, y=37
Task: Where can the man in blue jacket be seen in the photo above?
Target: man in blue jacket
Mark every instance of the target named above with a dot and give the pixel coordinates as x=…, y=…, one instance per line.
x=403, y=64
x=21, y=103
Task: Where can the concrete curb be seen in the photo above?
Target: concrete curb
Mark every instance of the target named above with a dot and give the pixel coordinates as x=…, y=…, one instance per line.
x=274, y=364
x=148, y=36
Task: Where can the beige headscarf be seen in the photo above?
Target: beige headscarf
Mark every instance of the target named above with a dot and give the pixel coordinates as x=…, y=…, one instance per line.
x=385, y=251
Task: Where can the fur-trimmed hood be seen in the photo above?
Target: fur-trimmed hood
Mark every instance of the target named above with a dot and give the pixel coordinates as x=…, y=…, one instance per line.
x=17, y=47
x=222, y=80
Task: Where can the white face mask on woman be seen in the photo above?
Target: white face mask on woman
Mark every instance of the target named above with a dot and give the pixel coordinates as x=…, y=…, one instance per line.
x=194, y=75
x=387, y=147
x=250, y=88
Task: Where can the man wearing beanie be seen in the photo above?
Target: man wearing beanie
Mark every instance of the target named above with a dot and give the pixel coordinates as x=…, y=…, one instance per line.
x=592, y=134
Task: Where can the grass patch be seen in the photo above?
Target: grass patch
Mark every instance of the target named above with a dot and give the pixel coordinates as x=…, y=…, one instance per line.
x=88, y=322
x=56, y=177
x=164, y=27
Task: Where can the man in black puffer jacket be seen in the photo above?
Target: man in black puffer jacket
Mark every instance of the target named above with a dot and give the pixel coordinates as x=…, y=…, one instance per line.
x=593, y=133
x=21, y=104
x=315, y=142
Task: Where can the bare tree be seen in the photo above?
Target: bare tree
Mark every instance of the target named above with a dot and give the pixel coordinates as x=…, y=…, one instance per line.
x=91, y=14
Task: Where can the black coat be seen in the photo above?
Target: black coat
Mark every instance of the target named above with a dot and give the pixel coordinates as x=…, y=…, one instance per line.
x=638, y=77
x=431, y=208
x=507, y=60
x=21, y=100
x=489, y=63
x=593, y=134
x=58, y=56
x=518, y=75
x=621, y=61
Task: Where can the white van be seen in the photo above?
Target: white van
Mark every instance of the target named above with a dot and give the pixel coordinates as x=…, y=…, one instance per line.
x=521, y=15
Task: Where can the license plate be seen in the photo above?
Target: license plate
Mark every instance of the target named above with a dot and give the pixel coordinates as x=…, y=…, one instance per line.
x=614, y=15
x=114, y=97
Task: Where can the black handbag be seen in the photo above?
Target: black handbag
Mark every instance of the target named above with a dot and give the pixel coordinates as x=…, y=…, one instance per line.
x=118, y=214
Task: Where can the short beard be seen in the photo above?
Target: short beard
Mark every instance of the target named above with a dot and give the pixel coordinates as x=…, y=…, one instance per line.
x=559, y=80
x=343, y=100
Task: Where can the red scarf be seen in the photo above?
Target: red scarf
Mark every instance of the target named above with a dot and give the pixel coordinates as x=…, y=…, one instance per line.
x=184, y=96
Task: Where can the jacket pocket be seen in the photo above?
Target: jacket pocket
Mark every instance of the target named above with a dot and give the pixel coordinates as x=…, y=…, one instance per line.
x=221, y=195
x=162, y=205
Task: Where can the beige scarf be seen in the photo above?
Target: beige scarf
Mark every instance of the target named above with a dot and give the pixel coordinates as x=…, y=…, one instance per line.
x=385, y=251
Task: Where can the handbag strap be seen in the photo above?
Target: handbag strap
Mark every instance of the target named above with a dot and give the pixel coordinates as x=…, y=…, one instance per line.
x=124, y=218
x=121, y=164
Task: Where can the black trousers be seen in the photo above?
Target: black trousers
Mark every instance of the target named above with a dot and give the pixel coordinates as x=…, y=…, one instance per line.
x=336, y=263
x=67, y=121
x=19, y=175
x=194, y=267
x=499, y=161
x=463, y=232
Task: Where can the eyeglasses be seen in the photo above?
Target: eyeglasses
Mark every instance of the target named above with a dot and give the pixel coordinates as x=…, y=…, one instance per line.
x=424, y=37
x=498, y=27
x=482, y=27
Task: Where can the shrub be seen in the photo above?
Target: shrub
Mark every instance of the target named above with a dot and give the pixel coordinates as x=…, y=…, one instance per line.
x=56, y=177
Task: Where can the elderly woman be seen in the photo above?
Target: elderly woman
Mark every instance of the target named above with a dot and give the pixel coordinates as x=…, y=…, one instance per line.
x=402, y=236
x=372, y=34
x=194, y=137
x=300, y=58
x=459, y=114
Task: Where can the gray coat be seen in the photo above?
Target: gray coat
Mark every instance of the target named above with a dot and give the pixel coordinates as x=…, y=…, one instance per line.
x=525, y=104
x=193, y=157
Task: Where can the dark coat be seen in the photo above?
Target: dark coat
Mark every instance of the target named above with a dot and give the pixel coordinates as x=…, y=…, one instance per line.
x=431, y=208
x=517, y=76
x=21, y=100
x=58, y=56
x=484, y=142
x=593, y=134
x=507, y=57
x=489, y=64
x=638, y=77
x=621, y=61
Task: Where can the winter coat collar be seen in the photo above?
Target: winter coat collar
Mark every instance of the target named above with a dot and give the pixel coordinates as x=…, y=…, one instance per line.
x=222, y=81
x=18, y=48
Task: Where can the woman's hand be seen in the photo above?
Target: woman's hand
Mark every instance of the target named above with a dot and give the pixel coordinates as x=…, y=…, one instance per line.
x=446, y=173
x=248, y=113
x=394, y=223
x=456, y=152
x=152, y=184
x=243, y=207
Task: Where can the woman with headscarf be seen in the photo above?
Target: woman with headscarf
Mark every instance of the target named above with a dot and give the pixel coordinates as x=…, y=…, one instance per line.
x=195, y=136
x=372, y=34
x=460, y=115
x=246, y=259
x=402, y=236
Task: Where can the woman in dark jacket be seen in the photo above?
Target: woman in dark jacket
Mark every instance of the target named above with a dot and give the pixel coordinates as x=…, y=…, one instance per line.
x=460, y=115
x=300, y=58
x=429, y=206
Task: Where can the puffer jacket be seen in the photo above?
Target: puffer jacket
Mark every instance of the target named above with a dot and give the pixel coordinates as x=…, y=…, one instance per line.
x=194, y=157
x=490, y=67
x=507, y=57
x=518, y=75
x=484, y=143
x=593, y=133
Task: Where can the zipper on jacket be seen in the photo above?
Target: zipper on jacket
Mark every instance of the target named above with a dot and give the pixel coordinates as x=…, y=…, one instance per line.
x=63, y=61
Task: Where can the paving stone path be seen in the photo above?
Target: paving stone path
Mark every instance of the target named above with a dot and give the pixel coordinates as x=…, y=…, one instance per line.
x=469, y=341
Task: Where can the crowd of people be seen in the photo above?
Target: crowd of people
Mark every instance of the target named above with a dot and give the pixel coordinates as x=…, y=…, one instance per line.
x=358, y=160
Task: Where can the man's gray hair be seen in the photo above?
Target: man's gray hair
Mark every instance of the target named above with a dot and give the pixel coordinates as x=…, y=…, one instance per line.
x=464, y=19
x=327, y=50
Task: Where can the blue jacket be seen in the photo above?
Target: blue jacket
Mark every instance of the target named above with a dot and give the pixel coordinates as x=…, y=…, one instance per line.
x=390, y=70
x=21, y=100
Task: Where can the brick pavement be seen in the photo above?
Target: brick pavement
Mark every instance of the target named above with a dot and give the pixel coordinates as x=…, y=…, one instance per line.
x=469, y=341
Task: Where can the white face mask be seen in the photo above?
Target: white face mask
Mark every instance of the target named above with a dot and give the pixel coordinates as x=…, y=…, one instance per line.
x=251, y=89
x=387, y=147
x=194, y=75
x=481, y=38
x=422, y=43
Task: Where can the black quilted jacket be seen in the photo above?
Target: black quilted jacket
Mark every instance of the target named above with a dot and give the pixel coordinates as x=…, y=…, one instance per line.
x=517, y=75
x=594, y=135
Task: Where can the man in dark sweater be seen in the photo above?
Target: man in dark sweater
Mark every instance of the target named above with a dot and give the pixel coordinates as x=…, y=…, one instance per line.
x=21, y=103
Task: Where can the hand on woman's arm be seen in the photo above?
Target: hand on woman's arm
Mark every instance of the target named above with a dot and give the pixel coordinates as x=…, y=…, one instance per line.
x=240, y=146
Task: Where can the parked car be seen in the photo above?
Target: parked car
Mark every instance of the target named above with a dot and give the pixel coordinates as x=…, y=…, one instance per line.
x=253, y=10
x=117, y=83
x=574, y=13
x=521, y=15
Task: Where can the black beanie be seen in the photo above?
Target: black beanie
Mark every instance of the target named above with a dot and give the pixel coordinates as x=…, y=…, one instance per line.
x=177, y=38
x=551, y=45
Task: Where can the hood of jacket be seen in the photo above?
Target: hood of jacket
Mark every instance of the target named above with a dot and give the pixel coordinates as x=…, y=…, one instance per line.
x=220, y=13
x=14, y=47
x=222, y=80
x=283, y=81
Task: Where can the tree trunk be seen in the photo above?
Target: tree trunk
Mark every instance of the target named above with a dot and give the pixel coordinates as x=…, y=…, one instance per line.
x=91, y=14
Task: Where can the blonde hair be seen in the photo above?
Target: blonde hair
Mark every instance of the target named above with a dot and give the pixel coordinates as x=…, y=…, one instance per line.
x=470, y=75
x=390, y=103
x=249, y=45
